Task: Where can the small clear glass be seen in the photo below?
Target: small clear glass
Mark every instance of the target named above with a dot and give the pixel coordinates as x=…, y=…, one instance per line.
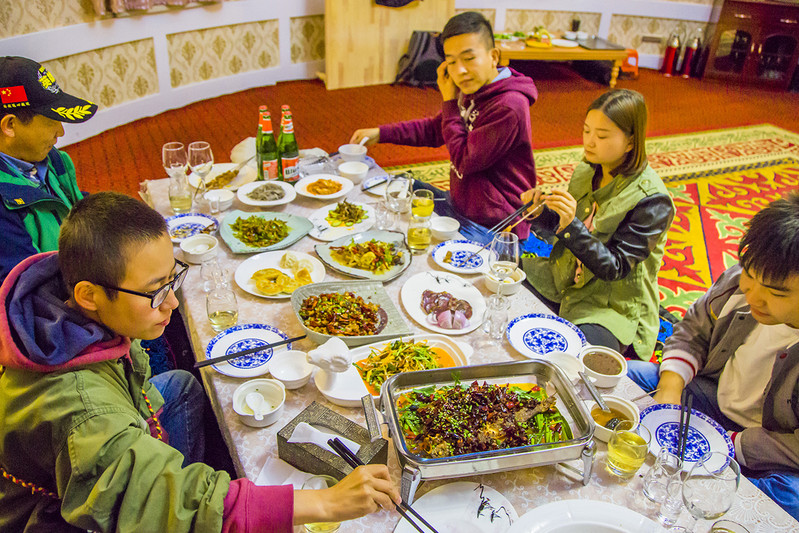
x=398, y=193
x=671, y=506
x=211, y=273
x=627, y=449
x=657, y=478
x=385, y=218
x=728, y=526
x=317, y=483
x=422, y=203
x=419, y=234
x=496, y=317
x=222, y=307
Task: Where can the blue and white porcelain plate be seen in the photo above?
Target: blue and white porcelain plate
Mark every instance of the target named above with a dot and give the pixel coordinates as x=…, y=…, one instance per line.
x=460, y=251
x=538, y=334
x=244, y=337
x=185, y=225
x=704, y=434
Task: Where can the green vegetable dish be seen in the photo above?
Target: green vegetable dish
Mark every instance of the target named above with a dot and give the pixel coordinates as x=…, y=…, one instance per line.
x=258, y=232
x=459, y=419
x=346, y=214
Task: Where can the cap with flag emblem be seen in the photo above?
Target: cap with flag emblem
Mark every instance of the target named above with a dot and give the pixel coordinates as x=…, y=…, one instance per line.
x=24, y=83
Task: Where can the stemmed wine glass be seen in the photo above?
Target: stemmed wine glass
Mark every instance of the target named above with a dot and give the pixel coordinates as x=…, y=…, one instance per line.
x=201, y=161
x=173, y=156
x=503, y=259
x=709, y=489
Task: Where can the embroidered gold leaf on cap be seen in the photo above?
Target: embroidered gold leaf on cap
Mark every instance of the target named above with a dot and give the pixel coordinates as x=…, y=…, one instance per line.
x=73, y=113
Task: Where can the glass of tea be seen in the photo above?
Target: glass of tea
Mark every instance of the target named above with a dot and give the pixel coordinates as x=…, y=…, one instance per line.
x=317, y=483
x=627, y=449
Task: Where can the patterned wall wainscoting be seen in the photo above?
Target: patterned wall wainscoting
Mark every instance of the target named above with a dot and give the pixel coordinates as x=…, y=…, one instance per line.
x=628, y=31
x=490, y=14
x=307, y=38
x=216, y=52
x=27, y=16
x=109, y=76
x=526, y=19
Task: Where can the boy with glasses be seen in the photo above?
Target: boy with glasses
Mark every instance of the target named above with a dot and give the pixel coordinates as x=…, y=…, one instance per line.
x=89, y=440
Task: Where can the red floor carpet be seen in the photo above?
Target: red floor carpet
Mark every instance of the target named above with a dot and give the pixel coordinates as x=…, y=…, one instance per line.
x=122, y=157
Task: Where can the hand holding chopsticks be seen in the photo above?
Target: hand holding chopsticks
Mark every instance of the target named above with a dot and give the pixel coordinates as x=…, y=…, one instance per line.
x=222, y=358
x=353, y=460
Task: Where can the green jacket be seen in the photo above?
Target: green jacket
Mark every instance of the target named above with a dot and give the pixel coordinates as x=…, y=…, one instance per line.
x=621, y=257
x=31, y=215
x=91, y=432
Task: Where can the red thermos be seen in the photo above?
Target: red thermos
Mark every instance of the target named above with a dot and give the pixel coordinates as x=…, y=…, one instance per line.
x=689, y=58
x=671, y=57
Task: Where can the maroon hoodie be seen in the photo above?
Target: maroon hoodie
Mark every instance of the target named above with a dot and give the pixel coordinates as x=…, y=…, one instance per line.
x=488, y=135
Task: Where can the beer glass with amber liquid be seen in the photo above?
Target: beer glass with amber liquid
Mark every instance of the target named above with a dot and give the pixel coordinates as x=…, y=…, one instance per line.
x=627, y=449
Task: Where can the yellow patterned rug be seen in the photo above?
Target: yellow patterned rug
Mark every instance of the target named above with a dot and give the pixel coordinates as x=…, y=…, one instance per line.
x=718, y=180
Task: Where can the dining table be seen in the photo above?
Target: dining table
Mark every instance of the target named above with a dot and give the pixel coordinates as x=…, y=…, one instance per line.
x=526, y=489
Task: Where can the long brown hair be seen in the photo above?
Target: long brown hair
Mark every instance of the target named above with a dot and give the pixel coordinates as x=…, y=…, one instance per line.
x=627, y=110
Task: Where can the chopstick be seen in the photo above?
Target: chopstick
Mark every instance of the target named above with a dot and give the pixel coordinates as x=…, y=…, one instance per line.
x=249, y=351
x=507, y=220
x=686, y=404
x=375, y=184
x=644, y=395
x=354, y=461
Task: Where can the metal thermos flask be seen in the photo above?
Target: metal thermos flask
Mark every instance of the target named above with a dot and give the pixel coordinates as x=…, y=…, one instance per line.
x=690, y=57
x=672, y=55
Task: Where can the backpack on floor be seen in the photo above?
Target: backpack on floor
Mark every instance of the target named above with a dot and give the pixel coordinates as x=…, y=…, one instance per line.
x=419, y=66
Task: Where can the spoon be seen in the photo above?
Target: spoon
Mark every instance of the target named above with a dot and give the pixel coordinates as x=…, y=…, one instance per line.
x=363, y=141
x=255, y=401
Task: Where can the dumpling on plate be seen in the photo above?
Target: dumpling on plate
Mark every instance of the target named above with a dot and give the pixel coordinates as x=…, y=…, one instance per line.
x=303, y=276
x=304, y=263
x=288, y=261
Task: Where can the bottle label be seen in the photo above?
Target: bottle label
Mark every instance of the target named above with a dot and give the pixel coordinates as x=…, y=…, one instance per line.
x=290, y=168
x=270, y=169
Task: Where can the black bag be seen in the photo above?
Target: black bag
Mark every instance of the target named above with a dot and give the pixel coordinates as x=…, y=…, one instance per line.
x=393, y=3
x=419, y=66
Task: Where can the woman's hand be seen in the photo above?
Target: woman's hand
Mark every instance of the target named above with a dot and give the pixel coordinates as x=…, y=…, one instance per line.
x=372, y=133
x=538, y=199
x=365, y=490
x=564, y=204
x=445, y=83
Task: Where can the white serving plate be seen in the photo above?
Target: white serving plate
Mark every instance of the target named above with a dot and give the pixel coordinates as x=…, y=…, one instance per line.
x=347, y=388
x=244, y=190
x=583, y=516
x=537, y=334
x=377, y=190
x=323, y=231
x=704, y=434
x=240, y=338
x=461, y=249
x=246, y=269
x=247, y=174
x=463, y=507
x=193, y=223
x=301, y=187
x=411, y=298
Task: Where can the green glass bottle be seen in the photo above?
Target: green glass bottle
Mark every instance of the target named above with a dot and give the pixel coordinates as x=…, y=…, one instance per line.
x=259, y=140
x=289, y=150
x=267, y=150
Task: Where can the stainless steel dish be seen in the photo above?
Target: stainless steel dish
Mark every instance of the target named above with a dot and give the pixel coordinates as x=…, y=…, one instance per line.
x=538, y=372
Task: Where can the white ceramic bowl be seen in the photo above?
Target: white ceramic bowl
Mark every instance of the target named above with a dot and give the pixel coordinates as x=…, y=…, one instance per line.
x=291, y=368
x=622, y=405
x=603, y=380
x=274, y=394
x=224, y=195
x=510, y=285
x=568, y=363
x=354, y=171
x=198, y=248
x=445, y=228
x=352, y=152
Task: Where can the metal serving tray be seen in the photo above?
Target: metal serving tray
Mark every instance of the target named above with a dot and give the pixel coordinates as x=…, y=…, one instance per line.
x=535, y=371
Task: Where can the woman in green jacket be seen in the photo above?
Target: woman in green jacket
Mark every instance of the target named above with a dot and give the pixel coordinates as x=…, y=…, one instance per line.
x=609, y=230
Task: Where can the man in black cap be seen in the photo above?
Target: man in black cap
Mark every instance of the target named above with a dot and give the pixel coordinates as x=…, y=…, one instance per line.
x=37, y=181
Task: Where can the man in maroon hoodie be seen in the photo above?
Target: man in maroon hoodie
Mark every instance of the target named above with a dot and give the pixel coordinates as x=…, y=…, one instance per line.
x=484, y=121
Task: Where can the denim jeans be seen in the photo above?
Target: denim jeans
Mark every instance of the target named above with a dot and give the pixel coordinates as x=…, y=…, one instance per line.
x=782, y=487
x=469, y=229
x=182, y=417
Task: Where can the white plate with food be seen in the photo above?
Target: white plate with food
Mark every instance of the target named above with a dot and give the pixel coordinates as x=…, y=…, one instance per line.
x=704, y=434
x=338, y=220
x=281, y=192
x=380, y=360
x=185, y=225
x=461, y=310
x=463, y=507
x=373, y=254
x=323, y=186
x=564, y=43
x=457, y=256
x=269, y=264
x=222, y=171
x=244, y=337
x=581, y=516
x=537, y=334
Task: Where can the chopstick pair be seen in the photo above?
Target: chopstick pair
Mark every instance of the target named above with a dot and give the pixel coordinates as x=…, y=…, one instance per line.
x=686, y=404
x=492, y=231
x=223, y=358
x=354, y=461
x=508, y=219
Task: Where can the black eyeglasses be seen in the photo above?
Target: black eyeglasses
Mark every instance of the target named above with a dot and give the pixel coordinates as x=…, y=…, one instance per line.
x=158, y=296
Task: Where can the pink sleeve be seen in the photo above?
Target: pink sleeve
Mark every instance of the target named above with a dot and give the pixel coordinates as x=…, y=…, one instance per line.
x=248, y=507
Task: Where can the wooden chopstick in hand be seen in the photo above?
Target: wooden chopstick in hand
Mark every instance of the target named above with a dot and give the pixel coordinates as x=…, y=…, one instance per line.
x=354, y=461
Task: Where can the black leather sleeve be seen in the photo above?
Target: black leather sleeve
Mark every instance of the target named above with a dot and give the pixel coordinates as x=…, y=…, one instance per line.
x=634, y=239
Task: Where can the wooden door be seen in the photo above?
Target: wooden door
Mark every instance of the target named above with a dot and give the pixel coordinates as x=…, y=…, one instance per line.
x=364, y=41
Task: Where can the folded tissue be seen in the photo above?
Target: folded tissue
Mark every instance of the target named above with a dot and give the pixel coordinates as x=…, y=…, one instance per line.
x=305, y=432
